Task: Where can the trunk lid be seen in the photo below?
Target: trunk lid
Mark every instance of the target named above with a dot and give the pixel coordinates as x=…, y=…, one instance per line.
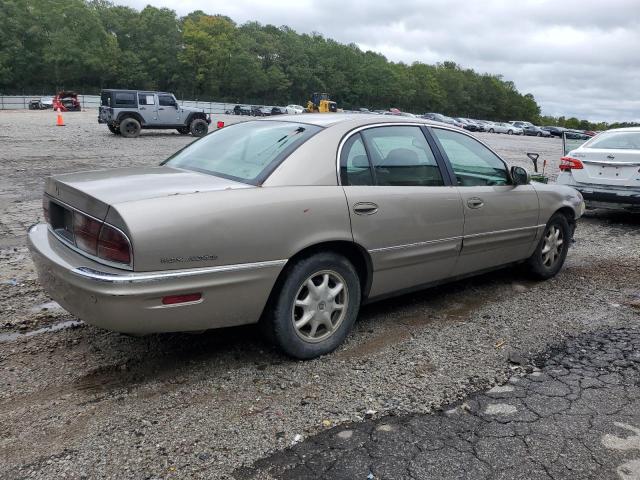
x=608, y=167
x=93, y=192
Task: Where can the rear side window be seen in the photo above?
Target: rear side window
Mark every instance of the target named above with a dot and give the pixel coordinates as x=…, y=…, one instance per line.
x=401, y=156
x=246, y=152
x=473, y=163
x=355, y=168
x=146, y=99
x=615, y=141
x=125, y=99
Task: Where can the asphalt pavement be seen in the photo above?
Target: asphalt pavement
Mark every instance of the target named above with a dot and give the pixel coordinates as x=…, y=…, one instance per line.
x=574, y=416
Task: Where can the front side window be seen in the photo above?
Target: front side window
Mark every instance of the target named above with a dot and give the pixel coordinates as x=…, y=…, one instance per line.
x=166, y=101
x=246, y=152
x=615, y=141
x=473, y=163
x=401, y=156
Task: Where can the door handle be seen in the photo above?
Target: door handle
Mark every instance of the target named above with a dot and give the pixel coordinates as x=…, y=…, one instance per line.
x=475, y=203
x=142, y=108
x=365, y=208
x=161, y=109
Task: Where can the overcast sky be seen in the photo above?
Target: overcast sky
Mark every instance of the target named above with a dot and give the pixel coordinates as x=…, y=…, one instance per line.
x=577, y=57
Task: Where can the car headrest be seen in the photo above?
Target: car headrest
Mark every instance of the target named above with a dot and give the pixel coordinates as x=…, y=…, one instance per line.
x=360, y=161
x=400, y=157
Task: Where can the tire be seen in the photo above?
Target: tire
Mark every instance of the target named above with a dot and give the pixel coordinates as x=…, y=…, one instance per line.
x=538, y=134
x=198, y=127
x=509, y=132
x=130, y=128
x=544, y=265
x=183, y=130
x=326, y=328
x=114, y=130
x=491, y=130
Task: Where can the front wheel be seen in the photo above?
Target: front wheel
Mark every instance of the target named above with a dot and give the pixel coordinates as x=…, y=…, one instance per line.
x=538, y=134
x=491, y=130
x=510, y=132
x=315, y=306
x=549, y=256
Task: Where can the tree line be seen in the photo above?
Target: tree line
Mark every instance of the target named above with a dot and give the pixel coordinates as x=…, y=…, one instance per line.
x=49, y=45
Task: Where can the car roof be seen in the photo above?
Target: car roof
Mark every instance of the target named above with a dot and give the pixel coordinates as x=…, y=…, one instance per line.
x=357, y=119
x=131, y=90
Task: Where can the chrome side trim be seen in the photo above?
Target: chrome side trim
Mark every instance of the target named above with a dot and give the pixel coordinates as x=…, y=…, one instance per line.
x=411, y=245
x=610, y=163
x=462, y=237
x=484, y=234
x=125, y=278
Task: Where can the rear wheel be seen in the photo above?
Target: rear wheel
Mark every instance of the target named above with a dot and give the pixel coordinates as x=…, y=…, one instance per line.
x=510, y=132
x=113, y=129
x=198, y=127
x=538, y=134
x=183, y=130
x=130, y=128
x=549, y=256
x=315, y=306
x=491, y=130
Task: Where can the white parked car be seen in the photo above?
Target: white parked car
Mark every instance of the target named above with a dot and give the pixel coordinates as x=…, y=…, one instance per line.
x=606, y=169
x=500, y=127
x=295, y=109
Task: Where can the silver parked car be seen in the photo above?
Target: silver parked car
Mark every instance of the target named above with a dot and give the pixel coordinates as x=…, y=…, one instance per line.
x=292, y=224
x=606, y=169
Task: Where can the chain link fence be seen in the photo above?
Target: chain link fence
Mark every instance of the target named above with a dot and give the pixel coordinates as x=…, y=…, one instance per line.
x=21, y=102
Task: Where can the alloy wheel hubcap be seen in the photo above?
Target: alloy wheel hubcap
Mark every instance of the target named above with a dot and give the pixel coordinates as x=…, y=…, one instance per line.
x=552, y=246
x=320, y=306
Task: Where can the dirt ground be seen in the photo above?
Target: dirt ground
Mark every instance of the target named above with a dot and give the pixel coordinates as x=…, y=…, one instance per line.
x=80, y=402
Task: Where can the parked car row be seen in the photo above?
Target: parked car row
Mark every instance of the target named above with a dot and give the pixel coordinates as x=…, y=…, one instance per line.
x=265, y=110
x=63, y=101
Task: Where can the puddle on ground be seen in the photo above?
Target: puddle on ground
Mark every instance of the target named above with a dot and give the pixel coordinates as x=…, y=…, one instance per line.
x=13, y=336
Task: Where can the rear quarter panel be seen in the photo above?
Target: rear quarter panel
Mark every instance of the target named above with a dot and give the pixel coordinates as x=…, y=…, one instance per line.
x=232, y=226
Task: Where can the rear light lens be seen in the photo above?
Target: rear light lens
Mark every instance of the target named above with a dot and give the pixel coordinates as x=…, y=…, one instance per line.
x=113, y=245
x=220, y=124
x=86, y=231
x=174, y=299
x=570, y=163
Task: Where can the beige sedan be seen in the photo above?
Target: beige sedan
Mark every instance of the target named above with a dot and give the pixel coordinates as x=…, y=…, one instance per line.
x=292, y=222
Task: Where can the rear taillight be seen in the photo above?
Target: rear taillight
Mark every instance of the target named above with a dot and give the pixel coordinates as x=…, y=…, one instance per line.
x=85, y=232
x=570, y=163
x=113, y=245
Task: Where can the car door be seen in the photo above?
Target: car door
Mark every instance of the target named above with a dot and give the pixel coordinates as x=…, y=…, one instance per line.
x=148, y=107
x=403, y=208
x=500, y=219
x=168, y=110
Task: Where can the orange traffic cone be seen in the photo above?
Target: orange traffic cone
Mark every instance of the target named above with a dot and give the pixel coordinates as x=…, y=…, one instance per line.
x=59, y=121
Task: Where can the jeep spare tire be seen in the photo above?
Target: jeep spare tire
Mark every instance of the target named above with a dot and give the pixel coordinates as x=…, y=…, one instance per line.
x=199, y=127
x=129, y=128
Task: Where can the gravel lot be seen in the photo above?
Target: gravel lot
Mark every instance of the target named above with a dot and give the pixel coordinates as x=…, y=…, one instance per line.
x=86, y=403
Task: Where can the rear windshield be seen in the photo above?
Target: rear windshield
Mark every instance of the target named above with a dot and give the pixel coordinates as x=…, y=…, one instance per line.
x=615, y=140
x=246, y=152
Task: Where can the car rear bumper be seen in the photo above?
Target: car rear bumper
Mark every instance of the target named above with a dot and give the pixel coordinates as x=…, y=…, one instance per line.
x=604, y=196
x=131, y=302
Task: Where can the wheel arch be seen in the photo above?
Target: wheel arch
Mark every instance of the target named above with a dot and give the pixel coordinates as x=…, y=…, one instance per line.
x=355, y=253
x=135, y=115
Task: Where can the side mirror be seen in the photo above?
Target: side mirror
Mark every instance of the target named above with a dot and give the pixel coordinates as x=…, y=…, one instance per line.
x=520, y=176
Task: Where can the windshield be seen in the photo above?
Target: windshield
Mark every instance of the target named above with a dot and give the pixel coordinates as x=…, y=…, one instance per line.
x=615, y=140
x=246, y=152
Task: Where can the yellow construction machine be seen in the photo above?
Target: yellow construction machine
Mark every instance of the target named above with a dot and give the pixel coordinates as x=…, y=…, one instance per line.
x=320, y=103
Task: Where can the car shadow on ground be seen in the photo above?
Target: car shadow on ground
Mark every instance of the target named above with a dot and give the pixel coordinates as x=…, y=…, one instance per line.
x=133, y=361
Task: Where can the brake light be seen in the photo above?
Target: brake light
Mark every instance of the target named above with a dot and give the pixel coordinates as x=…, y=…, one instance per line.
x=220, y=124
x=85, y=232
x=113, y=245
x=570, y=163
